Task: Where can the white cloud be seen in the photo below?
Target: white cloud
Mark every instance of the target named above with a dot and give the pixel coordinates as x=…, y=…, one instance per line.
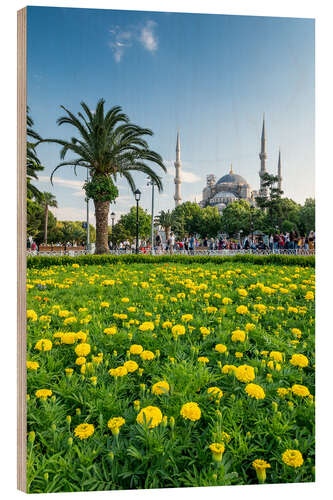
x=186, y=175
x=148, y=37
x=73, y=214
x=123, y=39
x=72, y=184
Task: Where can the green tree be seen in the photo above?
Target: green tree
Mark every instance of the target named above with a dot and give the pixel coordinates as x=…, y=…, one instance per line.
x=47, y=200
x=188, y=215
x=238, y=216
x=307, y=216
x=210, y=222
x=165, y=219
x=33, y=163
x=128, y=223
x=110, y=147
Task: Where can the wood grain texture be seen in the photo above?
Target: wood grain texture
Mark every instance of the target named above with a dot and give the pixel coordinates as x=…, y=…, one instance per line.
x=21, y=250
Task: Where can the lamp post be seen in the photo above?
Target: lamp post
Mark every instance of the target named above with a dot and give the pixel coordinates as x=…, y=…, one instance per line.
x=88, y=228
x=113, y=216
x=137, y=194
x=152, y=184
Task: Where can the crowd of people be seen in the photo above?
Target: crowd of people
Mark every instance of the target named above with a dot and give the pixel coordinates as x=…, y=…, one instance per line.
x=190, y=244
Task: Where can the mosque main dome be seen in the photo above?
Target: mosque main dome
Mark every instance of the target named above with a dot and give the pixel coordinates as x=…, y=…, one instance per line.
x=232, y=178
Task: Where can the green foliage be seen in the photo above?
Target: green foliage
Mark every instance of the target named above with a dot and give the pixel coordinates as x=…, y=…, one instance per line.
x=126, y=226
x=283, y=260
x=101, y=188
x=307, y=216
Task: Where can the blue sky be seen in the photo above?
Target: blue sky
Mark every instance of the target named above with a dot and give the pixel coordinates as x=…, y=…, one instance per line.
x=210, y=76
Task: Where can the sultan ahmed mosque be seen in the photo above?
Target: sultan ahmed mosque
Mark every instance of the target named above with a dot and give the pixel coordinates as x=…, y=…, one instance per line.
x=230, y=187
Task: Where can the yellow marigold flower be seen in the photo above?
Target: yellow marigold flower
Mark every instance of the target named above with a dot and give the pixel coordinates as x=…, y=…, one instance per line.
x=187, y=317
x=82, y=349
x=255, y=391
x=43, y=393
x=203, y=360
x=160, y=388
x=151, y=416
x=300, y=390
x=249, y=327
x=32, y=365
x=245, y=373
x=83, y=431
x=239, y=354
x=81, y=336
x=204, y=331
x=238, y=336
x=75, y=266
x=260, y=468
x=69, y=321
x=131, y=366
x=136, y=405
x=69, y=372
x=299, y=360
x=80, y=361
x=242, y=310
x=215, y=392
x=190, y=411
x=43, y=345
x=31, y=315
x=217, y=450
x=112, y=330
x=226, y=301
x=63, y=313
x=131, y=309
x=147, y=355
x=167, y=324
x=309, y=296
x=293, y=458
x=115, y=423
x=276, y=355
x=210, y=309
x=297, y=332
x=136, y=349
x=120, y=371
x=105, y=304
x=68, y=338
x=225, y=436
x=147, y=326
x=178, y=330
x=221, y=348
x=125, y=299
x=108, y=282
x=45, y=318
x=226, y=369
x=282, y=391
x=261, y=308
x=83, y=309
x=242, y=292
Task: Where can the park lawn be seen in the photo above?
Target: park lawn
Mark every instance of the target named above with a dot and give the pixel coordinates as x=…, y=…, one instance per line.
x=195, y=324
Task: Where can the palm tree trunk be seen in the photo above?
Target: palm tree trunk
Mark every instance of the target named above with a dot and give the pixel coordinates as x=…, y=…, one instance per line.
x=167, y=233
x=46, y=222
x=102, y=214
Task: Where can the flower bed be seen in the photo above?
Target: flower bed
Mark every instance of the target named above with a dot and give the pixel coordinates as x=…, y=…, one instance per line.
x=177, y=374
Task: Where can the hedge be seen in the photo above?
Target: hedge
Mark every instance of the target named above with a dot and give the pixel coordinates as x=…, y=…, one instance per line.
x=283, y=260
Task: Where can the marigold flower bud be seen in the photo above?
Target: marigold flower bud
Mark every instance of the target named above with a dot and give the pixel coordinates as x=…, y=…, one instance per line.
x=32, y=437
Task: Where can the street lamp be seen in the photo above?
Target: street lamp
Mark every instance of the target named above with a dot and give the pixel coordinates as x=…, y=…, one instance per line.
x=88, y=228
x=152, y=184
x=137, y=194
x=113, y=216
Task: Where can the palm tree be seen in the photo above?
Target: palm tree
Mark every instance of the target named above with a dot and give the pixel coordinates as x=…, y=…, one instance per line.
x=47, y=200
x=110, y=147
x=165, y=219
x=33, y=163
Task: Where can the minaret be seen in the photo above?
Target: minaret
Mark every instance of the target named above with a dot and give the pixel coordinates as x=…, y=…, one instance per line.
x=279, y=173
x=263, y=158
x=178, y=181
